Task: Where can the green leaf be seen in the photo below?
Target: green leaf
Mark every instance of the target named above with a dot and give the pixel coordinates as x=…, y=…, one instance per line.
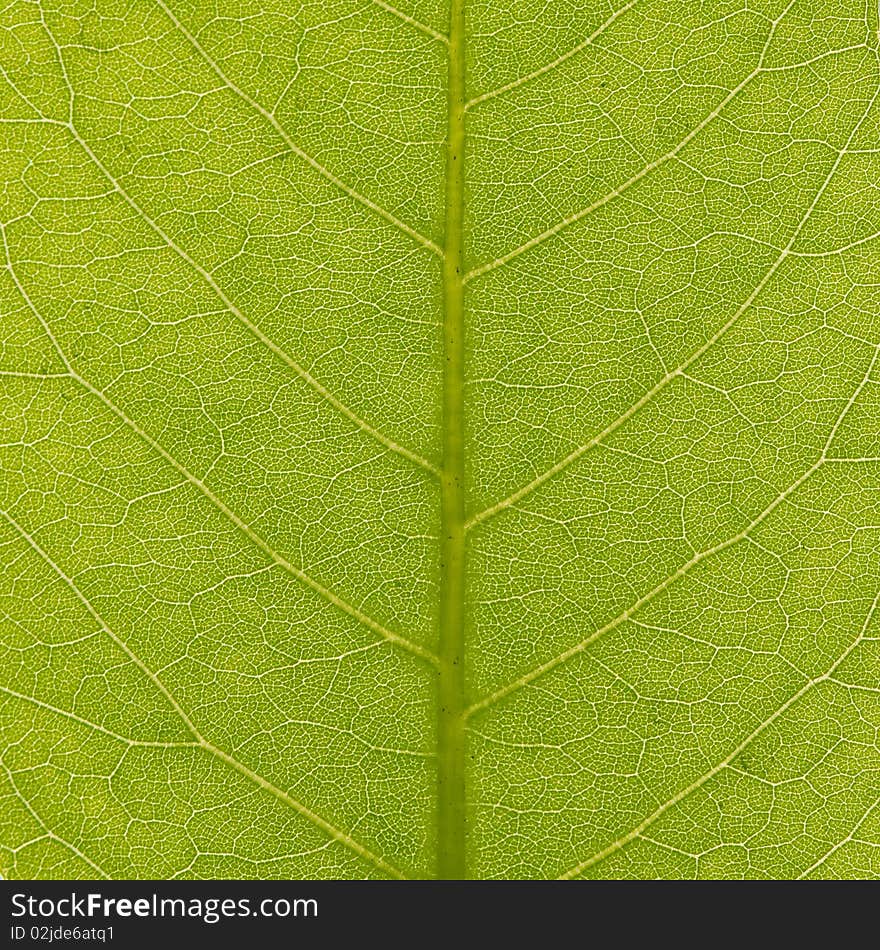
x=441, y=440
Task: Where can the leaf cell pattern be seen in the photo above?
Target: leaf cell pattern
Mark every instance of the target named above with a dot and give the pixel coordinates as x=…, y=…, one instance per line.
x=440, y=439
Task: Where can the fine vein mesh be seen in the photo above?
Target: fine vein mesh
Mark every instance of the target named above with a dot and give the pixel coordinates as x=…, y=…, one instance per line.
x=439, y=438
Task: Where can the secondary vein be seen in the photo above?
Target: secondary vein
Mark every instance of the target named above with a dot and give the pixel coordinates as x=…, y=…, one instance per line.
x=282, y=132
x=208, y=277
x=684, y=569
x=680, y=370
x=549, y=67
x=416, y=24
x=198, y=483
x=639, y=830
x=639, y=175
x=200, y=741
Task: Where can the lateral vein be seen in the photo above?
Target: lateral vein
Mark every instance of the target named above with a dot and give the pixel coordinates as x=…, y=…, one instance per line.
x=49, y=833
x=413, y=22
x=285, y=357
x=684, y=569
x=658, y=387
x=218, y=503
x=850, y=837
x=227, y=302
x=201, y=741
x=556, y=62
x=638, y=176
x=724, y=763
x=94, y=725
x=281, y=131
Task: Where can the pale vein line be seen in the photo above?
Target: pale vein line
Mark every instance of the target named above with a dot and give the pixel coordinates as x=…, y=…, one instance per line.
x=683, y=570
x=574, y=455
x=647, y=169
x=32, y=542
x=49, y=833
x=15, y=374
x=838, y=250
x=279, y=129
x=285, y=357
x=417, y=24
x=42, y=120
x=840, y=844
x=324, y=825
x=637, y=605
x=67, y=714
x=556, y=62
x=679, y=796
x=195, y=481
x=301, y=371
x=331, y=830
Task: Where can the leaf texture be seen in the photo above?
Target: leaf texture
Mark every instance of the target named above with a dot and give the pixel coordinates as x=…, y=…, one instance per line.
x=440, y=439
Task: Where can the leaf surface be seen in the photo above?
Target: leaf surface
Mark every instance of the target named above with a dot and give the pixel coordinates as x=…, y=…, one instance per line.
x=440, y=439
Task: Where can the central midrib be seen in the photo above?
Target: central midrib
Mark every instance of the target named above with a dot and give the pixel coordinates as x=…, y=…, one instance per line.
x=451, y=808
